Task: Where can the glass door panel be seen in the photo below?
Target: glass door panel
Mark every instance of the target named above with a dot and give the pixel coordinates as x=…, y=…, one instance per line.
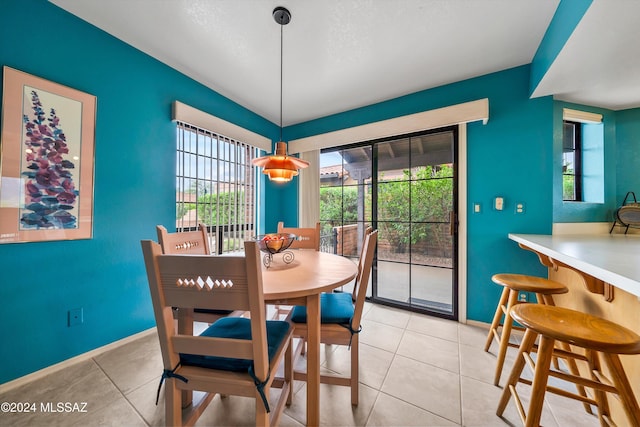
x=415, y=206
x=406, y=188
x=432, y=267
x=345, y=199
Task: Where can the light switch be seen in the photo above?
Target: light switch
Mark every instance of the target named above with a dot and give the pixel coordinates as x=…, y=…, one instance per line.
x=477, y=208
x=498, y=203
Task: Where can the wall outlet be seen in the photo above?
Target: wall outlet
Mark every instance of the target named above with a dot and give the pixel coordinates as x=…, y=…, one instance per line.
x=523, y=297
x=520, y=207
x=76, y=317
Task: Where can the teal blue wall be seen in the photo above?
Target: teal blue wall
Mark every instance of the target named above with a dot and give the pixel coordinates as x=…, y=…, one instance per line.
x=282, y=199
x=134, y=188
x=628, y=153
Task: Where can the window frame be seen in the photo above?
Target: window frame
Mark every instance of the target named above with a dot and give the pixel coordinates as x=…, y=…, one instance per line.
x=577, y=160
x=218, y=165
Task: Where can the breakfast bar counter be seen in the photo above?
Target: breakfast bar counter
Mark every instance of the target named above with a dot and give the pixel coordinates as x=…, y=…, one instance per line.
x=611, y=258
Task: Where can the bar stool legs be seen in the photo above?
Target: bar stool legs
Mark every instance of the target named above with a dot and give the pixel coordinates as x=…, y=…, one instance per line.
x=602, y=341
x=497, y=317
x=621, y=383
x=514, y=284
x=545, y=355
x=503, y=338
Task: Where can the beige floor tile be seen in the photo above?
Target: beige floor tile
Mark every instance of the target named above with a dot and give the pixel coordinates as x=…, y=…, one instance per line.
x=236, y=411
x=479, y=401
x=389, y=316
x=474, y=336
x=335, y=404
x=367, y=307
x=230, y=411
x=389, y=411
x=431, y=350
x=143, y=399
x=571, y=412
x=433, y=326
x=509, y=360
x=374, y=364
x=480, y=365
x=118, y=413
x=340, y=364
x=132, y=364
x=82, y=389
x=548, y=418
x=379, y=335
x=430, y=388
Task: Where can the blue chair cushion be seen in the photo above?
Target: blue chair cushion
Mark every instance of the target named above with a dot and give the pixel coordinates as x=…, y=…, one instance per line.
x=239, y=328
x=334, y=308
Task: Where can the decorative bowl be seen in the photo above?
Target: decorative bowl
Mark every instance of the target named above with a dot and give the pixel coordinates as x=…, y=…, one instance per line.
x=275, y=242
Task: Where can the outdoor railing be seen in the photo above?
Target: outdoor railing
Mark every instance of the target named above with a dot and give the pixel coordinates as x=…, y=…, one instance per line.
x=328, y=242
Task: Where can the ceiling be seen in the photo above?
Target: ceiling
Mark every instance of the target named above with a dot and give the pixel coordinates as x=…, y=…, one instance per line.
x=344, y=54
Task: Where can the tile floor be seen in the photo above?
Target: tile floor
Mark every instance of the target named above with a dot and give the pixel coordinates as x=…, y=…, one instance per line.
x=415, y=371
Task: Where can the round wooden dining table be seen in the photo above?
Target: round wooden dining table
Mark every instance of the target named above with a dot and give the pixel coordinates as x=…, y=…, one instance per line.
x=300, y=283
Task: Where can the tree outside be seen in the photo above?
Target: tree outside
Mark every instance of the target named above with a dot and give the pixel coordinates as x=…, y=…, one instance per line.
x=401, y=224
x=418, y=223
x=338, y=206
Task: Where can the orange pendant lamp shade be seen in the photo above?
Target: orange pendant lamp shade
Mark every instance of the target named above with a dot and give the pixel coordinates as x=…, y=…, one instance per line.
x=280, y=167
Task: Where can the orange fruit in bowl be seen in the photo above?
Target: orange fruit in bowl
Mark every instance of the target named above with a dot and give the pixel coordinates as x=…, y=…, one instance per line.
x=275, y=244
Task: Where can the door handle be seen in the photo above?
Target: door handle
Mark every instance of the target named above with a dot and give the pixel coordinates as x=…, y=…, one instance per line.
x=452, y=223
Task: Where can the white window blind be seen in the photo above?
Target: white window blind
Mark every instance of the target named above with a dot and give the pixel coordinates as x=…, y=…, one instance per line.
x=216, y=185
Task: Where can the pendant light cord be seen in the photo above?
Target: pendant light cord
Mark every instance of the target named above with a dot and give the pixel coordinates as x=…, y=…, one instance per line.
x=281, y=73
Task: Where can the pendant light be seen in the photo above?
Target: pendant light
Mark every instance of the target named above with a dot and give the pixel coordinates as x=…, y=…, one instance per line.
x=279, y=166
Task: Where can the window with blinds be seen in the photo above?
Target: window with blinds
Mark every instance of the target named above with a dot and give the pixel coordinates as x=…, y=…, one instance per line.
x=216, y=185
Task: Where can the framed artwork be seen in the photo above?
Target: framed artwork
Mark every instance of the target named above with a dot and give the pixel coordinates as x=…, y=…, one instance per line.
x=46, y=160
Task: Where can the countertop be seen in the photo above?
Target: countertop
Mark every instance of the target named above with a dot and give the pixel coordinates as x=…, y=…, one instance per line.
x=612, y=258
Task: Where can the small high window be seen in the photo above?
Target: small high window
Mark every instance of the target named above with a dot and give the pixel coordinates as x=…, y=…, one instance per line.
x=571, y=161
x=582, y=157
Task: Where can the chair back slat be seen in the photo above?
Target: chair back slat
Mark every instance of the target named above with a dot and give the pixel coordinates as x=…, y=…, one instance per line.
x=185, y=242
x=364, y=272
x=203, y=281
x=163, y=312
x=307, y=237
x=258, y=311
x=354, y=294
x=190, y=281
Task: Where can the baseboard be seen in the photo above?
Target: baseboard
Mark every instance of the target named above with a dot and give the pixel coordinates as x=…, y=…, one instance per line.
x=66, y=363
x=478, y=324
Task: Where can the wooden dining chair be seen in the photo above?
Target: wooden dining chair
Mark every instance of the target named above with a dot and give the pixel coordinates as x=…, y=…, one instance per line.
x=193, y=243
x=307, y=237
x=184, y=242
x=235, y=356
x=340, y=316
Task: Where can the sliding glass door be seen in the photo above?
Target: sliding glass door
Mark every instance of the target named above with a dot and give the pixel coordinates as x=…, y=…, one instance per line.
x=406, y=188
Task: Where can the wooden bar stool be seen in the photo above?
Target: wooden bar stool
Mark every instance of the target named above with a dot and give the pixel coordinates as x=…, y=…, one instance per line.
x=600, y=339
x=513, y=285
